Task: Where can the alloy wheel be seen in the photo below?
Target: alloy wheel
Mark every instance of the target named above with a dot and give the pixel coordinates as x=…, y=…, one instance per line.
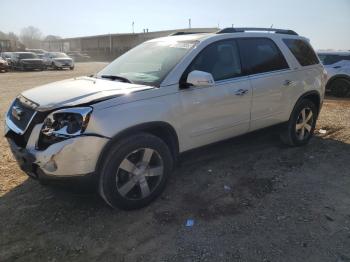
x=139, y=174
x=304, y=124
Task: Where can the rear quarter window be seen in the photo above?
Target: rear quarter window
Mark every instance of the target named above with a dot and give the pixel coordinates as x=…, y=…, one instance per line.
x=302, y=51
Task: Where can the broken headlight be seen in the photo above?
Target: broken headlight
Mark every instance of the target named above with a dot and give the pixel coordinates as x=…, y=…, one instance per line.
x=68, y=122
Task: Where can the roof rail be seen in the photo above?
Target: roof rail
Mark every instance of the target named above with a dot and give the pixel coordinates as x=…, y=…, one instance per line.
x=185, y=33
x=256, y=29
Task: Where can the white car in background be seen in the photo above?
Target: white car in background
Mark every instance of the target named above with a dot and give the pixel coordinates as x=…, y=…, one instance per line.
x=337, y=65
x=57, y=60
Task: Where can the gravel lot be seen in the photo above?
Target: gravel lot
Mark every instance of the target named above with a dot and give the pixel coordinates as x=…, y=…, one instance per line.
x=251, y=199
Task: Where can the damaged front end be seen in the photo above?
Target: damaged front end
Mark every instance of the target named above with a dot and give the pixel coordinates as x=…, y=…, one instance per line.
x=53, y=143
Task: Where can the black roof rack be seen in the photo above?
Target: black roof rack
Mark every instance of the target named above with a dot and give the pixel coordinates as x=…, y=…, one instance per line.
x=256, y=29
x=186, y=33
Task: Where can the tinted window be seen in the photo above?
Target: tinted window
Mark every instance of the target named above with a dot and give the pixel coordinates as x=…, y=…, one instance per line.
x=332, y=59
x=302, y=51
x=27, y=55
x=221, y=59
x=261, y=55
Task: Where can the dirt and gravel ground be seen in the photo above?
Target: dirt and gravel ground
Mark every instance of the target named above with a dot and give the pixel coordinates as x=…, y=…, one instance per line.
x=251, y=198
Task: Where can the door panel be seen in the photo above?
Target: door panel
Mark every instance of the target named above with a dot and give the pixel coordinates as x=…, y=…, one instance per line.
x=214, y=113
x=217, y=112
x=270, y=100
x=269, y=77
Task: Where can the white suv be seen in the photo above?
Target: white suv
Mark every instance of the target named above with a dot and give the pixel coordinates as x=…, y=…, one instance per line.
x=337, y=65
x=57, y=60
x=126, y=126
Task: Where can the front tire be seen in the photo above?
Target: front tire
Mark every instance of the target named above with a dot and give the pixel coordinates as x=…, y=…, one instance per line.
x=301, y=125
x=134, y=171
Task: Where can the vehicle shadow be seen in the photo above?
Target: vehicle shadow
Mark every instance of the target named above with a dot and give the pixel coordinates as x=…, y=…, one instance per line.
x=234, y=178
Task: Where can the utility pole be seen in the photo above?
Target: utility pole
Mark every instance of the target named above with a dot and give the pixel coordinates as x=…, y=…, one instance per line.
x=189, y=23
x=133, y=27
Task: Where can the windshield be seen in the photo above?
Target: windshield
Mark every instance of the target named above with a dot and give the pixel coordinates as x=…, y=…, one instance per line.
x=27, y=55
x=58, y=55
x=332, y=59
x=148, y=63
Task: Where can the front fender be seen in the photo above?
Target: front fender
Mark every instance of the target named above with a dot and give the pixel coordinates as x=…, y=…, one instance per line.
x=112, y=120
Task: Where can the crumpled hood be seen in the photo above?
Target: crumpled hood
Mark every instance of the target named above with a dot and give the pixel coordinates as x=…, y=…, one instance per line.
x=77, y=91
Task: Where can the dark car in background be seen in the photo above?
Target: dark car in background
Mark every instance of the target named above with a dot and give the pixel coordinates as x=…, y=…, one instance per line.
x=27, y=61
x=39, y=52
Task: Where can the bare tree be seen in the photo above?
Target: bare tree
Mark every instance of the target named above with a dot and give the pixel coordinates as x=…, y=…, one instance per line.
x=13, y=37
x=31, y=37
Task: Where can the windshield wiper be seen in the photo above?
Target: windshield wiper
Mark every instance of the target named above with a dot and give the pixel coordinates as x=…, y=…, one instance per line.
x=113, y=77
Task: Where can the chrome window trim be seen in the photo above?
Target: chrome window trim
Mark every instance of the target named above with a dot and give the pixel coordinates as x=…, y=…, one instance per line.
x=232, y=79
x=275, y=72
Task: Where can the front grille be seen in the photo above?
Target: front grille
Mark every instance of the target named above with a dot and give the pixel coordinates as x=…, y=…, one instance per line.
x=64, y=61
x=33, y=62
x=20, y=114
x=21, y=140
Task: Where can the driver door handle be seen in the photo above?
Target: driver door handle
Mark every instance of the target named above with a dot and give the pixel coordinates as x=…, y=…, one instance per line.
x=241, y=92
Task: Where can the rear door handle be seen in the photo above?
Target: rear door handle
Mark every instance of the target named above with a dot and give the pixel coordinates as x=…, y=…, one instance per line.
x=241, y=92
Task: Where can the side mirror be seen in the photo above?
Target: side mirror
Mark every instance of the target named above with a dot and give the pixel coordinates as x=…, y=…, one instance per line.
x=200, y=79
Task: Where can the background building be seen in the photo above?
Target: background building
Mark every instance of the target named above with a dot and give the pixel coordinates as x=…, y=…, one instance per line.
x=5, y=45
x=108, y=47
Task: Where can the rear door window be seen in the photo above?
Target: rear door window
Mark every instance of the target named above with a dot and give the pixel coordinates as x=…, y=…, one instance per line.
x=260, y=55
x=302, y=51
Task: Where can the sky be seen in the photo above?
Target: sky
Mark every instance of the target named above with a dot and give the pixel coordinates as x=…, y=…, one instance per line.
x=325, y=22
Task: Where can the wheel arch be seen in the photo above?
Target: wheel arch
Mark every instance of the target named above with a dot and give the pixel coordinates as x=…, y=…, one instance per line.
x=336, y=77
x=314, y=96
x=163, y=130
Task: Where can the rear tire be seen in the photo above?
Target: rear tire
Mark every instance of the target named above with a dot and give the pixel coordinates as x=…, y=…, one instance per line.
x=301, y=125
x=134, y=171
x=340, y=87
